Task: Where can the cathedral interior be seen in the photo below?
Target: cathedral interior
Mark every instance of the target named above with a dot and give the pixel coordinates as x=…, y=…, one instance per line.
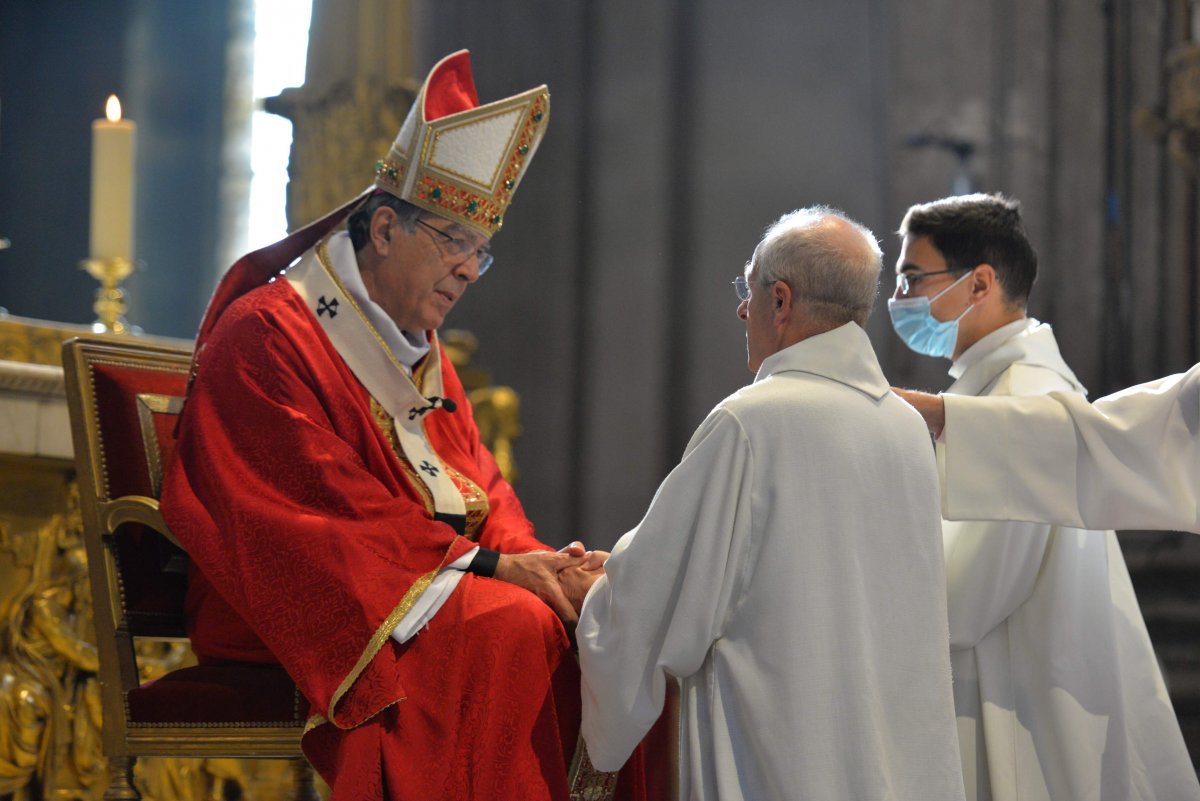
x=680, y=130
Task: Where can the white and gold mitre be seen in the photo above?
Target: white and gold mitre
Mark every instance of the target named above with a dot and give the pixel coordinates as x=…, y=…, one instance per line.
x=458, y=159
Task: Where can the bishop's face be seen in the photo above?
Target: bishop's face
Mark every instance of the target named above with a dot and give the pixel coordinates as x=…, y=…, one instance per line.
x=756, y=313
x=419, y=280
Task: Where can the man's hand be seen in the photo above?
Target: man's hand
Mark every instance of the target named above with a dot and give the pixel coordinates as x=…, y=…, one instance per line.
x=538, y=573
x=931, y=407
x=574, y=549
x=578, y=578
x=576, y=581
x=592, y=560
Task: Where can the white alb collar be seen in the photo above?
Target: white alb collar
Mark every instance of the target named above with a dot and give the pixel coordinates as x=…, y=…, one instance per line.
x=988, y=343
x=407, y=346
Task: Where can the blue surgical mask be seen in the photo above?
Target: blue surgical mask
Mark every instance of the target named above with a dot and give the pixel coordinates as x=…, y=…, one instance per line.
x=920, y=330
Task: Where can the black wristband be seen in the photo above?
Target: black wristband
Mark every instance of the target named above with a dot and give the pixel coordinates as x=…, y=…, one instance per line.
x=485, y=563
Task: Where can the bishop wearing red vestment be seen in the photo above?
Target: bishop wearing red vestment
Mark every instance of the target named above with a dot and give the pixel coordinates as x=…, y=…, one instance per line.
x=341, y=515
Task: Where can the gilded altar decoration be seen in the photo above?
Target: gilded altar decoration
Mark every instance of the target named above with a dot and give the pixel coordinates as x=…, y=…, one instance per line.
x=110, y=298
x=50, y=714
x=35, y=342
x=497, y=409
x=49, y=698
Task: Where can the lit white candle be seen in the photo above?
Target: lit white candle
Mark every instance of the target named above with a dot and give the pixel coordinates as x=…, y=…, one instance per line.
x=112, y=184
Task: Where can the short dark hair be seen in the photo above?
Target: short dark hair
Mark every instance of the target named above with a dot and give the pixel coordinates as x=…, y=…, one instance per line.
x=969, y=230
x=359, y=224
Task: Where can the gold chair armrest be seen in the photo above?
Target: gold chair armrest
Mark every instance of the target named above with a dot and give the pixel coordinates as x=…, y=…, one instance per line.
x=135, y=509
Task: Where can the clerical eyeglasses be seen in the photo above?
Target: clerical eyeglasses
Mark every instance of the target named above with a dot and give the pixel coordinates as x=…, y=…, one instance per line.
x=457, y=248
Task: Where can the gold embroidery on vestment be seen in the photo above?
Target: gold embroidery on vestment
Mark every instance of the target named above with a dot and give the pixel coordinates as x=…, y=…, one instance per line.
x=475, y=500
x=585, y=782
x=377, y=640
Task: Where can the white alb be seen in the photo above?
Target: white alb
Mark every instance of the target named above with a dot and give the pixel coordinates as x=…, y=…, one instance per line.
x=789, y=574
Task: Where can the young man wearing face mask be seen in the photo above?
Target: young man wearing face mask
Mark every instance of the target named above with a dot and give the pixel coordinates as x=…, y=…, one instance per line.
x=1056, y=688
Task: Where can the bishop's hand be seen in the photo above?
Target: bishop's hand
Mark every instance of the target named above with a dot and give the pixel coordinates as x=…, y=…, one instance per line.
x=538, y=573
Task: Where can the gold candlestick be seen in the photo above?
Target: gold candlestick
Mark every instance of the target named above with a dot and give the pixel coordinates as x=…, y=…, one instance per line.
x=110, y=298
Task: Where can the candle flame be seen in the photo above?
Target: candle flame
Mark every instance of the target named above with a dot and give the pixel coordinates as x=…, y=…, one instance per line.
x=112, y=109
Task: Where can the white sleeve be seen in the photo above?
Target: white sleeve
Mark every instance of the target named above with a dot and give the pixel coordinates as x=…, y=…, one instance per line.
x=668, y=587
x=434, y=596
x=1131, y=460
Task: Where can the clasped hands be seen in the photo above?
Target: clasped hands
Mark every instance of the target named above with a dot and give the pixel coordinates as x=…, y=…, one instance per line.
x=560, y=578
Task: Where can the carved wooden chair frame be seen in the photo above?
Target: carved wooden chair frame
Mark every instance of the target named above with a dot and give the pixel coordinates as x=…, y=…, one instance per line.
x=105, y=519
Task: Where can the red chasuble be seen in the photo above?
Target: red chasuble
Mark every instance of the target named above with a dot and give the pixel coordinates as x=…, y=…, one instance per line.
x=311, y=542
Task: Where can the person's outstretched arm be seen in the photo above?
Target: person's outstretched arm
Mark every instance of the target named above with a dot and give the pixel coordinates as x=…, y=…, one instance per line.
x=1130, y=460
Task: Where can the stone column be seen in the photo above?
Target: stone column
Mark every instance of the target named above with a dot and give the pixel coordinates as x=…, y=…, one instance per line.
x=357, y=90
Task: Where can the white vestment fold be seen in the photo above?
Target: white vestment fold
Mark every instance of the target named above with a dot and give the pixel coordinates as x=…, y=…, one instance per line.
x=1057, y=689
x=789, y=574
